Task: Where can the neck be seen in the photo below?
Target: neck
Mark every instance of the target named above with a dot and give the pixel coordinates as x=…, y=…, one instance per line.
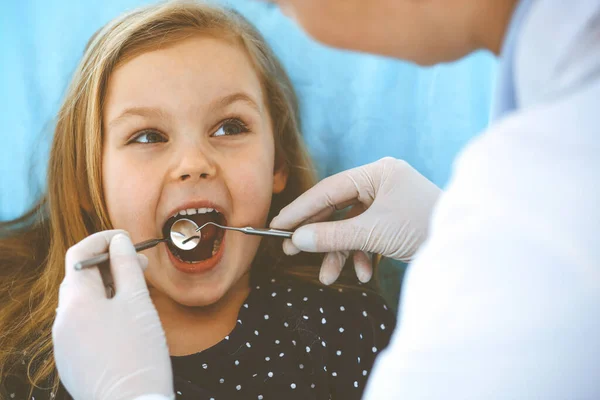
x=190, y=330
x=491, y=24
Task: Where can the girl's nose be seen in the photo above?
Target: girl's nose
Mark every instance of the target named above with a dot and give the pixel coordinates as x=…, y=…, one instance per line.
x=195, y=164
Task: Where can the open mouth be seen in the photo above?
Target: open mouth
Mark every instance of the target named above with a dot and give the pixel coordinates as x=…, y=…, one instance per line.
x=210, y=240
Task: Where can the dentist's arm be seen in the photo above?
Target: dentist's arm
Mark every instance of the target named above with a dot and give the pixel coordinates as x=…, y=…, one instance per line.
x=398, y=202
x=110, y=349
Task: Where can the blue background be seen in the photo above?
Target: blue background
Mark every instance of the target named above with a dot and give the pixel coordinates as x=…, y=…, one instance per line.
x=355, y=108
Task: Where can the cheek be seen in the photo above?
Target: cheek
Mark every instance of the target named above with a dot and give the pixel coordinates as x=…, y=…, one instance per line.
x=124, y=192
x=251, y=184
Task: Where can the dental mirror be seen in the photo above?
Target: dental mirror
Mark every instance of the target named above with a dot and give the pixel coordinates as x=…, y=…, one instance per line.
x=183, y=234
x=180, y=231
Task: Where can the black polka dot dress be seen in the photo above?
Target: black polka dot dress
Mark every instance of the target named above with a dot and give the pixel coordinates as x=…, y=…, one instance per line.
x=293, y=340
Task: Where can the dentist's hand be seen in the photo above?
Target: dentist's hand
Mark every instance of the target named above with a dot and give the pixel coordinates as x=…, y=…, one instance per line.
x=398, y=202
x=110, y=349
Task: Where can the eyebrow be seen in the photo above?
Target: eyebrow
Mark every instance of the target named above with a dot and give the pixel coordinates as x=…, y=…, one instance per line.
x=148, y=112
x=234, y=98
x=151, y=112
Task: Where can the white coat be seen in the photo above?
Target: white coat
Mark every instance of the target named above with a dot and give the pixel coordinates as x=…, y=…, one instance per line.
x=503, y=301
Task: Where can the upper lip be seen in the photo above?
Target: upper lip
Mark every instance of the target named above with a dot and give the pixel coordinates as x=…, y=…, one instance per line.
x=194, y=204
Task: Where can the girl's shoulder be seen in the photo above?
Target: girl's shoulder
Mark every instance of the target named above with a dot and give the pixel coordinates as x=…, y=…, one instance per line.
x=15, y=388
x=348, y=317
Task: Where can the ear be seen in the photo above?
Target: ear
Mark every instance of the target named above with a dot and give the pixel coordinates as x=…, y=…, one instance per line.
x=280, y=178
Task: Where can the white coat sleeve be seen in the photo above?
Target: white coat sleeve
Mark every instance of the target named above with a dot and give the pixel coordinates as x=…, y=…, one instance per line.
x=503, y=300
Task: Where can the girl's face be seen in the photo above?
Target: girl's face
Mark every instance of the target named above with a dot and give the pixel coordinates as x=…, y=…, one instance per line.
x=186, y=128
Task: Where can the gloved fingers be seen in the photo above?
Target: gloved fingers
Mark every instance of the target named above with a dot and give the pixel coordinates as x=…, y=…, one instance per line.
x=289, y=248
x=363, y=266
x=86, y=282
x=333, y=193
x=125, y=266
x=344, y=235
x=332, y=265
x=143, y=261
x=89, y=247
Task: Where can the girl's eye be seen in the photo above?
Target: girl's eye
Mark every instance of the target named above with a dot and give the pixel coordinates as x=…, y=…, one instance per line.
x=148, y=137
x=231, y=127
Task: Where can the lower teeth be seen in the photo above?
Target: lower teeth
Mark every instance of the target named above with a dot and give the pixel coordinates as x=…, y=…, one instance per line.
x=216, y=246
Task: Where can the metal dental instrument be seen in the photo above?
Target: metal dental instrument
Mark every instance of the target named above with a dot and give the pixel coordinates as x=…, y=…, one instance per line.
x=248, y=231
x=179, y=236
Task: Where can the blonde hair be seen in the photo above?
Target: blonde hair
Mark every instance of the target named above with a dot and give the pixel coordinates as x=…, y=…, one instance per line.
x=32, y=248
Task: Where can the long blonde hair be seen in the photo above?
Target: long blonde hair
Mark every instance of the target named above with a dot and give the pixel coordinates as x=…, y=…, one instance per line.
x=32, y=248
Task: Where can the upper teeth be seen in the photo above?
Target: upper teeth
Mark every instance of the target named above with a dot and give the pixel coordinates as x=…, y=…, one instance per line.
x=192, y=211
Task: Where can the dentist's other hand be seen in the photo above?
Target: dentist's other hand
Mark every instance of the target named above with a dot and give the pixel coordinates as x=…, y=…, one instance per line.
x=398, y=202
x=110, y=349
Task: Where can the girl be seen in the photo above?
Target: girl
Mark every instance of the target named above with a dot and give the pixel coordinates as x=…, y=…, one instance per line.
x=181, y=110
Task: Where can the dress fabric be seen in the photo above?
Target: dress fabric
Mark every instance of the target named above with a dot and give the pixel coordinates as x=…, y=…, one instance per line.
x=293, y=340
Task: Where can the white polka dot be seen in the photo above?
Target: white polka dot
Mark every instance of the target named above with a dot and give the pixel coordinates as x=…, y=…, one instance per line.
x=339, y=352
x=321, y=310
x=294, y=342
x=286, y=324
x=289, y=304
x=238, y=387
x=334, y=373
x=323, y=321
x=239, y=321
x=289, y=289
x=324, y=344
x=270, y=374
x=364, y=372
x=305, y=316
x=364, y=294
x=364, y=313
x=273, y=294
x=361, y=336
x=355, y=384
x=273, y=280
x=255, y=375
x=248, y=345
x=358, y=360
x=305, y=299
x=204, y=366
x=374, y=349
x=212, y=398
x=281, y=355
x=307, y=349
x=227, y=337
x=277, y=341
x=293, y=385
x=221, y=380
x=178, y=392
x=301, y=366
x=246, y=305
x=266, y=316
x=341, y=330
x=382, y=326
x=384, y=307
x=312, y=385
x=256, y=333
x=237, y=362
x=258, y=287
x=267, y=358
x=342, y=308
x=325, y=368
x=260, y=397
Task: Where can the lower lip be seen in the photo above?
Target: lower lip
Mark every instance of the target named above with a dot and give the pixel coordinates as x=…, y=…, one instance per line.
x=201, y=266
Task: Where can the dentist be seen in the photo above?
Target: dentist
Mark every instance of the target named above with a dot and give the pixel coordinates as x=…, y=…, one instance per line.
x=503, y=295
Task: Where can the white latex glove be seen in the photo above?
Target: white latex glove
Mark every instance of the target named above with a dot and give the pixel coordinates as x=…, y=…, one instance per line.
x=110, y=349
x=398, y=201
